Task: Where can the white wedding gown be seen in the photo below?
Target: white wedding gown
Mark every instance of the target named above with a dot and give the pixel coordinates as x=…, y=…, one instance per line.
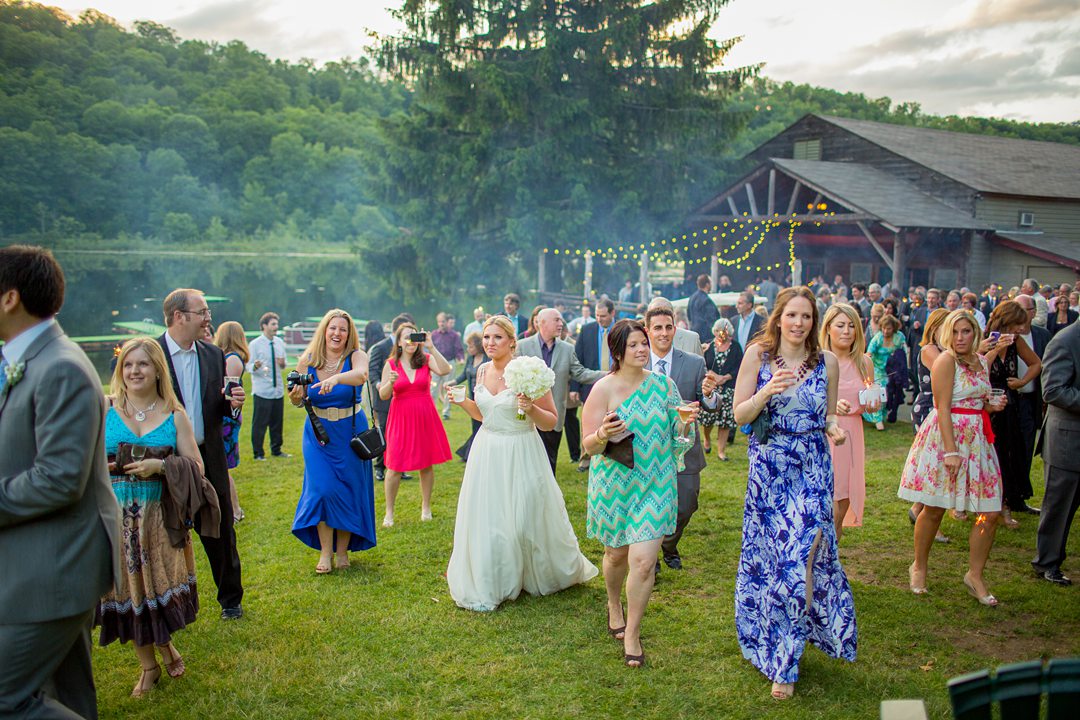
x=512, y=532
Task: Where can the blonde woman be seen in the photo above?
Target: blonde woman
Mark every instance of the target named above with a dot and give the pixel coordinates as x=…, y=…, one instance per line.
x=952, y=463
x=230, y=338
x=158, y=597
x=336, y=511
x=842, y=335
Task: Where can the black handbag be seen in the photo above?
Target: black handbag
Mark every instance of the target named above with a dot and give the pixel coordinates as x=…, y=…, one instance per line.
x=620, y=448
x=369, y=444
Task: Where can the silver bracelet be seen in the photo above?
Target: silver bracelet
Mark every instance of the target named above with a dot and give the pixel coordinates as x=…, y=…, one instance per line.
x=950, y=454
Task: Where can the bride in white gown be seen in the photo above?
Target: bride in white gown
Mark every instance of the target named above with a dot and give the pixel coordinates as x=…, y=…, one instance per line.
x=512, y=532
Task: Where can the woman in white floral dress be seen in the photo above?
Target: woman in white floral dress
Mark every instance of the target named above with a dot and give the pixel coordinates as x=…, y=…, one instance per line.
x=952, y=463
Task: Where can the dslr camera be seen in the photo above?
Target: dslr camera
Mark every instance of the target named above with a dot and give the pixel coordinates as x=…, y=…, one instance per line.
x=295, y=378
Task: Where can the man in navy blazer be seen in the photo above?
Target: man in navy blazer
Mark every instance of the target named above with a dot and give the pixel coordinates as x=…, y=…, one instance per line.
x=198, y=374
x=511, y=306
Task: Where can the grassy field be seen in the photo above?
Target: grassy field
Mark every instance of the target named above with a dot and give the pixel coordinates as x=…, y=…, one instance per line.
x=384, y=638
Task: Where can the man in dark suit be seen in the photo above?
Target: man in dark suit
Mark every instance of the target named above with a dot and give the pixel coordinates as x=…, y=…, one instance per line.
x=1061, y=461
x=592, y=352
x=511, y=306
x=1029, y=397
x=701, y=311
x=198, y=372
x=377, y=355
x=747, y=322
x=688, y=372
x=59, y=520
x=989, y=300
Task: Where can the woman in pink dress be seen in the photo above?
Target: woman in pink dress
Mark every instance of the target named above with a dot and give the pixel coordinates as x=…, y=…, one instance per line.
x=952, y=463
x=415, y=437
x=842, y=334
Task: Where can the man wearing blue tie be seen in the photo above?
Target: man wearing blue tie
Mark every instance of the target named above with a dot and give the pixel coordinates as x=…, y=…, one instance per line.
x=266, y=366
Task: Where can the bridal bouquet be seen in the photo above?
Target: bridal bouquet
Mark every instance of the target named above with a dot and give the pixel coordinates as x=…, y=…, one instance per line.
x=528, y=376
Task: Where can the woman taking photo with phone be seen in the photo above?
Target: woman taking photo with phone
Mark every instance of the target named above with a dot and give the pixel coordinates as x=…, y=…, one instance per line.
x=633, y=500
x=790, y=587
x=336, y=511
x=415, y=436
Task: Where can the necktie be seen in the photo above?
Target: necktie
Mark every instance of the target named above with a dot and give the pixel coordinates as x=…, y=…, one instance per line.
x=662, y=364
x=273, y=365
x=605, y=351
x=3, y=373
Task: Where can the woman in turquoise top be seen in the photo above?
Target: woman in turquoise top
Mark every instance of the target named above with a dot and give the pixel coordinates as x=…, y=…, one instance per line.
x=882, y=345
x=158, y=596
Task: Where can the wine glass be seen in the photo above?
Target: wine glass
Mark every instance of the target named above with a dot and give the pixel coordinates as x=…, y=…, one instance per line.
x=138, y=452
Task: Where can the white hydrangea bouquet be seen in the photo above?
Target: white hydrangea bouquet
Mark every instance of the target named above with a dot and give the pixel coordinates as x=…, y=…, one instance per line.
x=528, y=376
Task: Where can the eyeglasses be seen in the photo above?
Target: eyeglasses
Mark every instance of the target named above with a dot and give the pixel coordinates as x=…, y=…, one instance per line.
x=205, y=312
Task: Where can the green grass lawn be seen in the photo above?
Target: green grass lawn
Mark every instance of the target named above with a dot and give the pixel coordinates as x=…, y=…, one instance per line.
x=384, y=638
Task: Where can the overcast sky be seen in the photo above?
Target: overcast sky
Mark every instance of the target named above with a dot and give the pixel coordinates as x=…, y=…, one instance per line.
x=1007, y=58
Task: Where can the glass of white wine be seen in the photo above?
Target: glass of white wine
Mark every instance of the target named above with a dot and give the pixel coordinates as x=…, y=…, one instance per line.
x=138, y=452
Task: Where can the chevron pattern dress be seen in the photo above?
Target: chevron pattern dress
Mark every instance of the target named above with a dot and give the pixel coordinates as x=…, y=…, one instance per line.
x=631, y=506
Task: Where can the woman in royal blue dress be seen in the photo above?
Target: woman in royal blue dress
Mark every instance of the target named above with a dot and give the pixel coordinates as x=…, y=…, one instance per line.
x=790, y=587
x=336, y=512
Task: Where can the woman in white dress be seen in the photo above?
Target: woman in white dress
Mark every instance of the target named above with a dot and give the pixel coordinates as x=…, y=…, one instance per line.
x=512, y=532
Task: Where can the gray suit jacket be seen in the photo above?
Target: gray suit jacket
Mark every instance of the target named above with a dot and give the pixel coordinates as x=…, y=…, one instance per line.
x=688, y=371
x=567, y=367
x=59, y=519
x=688, y=341
x=1061, y=391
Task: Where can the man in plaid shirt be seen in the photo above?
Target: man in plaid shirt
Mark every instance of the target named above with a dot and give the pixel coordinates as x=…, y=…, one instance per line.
x=448, y=342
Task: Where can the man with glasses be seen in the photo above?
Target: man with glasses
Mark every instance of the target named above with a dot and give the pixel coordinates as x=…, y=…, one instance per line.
x=198, y=377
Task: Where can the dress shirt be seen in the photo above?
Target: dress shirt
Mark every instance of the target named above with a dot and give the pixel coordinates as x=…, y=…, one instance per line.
x=1041, y=310
x=15, y=348
x=474, y=327
x=602, y=350
x=744, y=328
x=547, y=350
x=186, y=364
x=265, y=383
x=666, y=359
x=448, y=343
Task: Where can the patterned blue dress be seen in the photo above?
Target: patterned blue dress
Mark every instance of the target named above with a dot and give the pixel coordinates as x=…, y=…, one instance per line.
x=789, y=499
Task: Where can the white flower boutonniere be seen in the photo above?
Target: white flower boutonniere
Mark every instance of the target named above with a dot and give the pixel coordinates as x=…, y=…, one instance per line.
x=13, y=374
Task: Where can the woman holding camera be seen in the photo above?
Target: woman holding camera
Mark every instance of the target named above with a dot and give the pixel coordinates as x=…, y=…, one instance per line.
x=336, y=512
x=415, y=437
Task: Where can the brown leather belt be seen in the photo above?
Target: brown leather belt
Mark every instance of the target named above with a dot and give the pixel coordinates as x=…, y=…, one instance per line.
x=333, y=414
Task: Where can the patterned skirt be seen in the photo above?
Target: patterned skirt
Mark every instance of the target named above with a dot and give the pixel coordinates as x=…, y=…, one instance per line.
x=724, y=414
x=158, y=595
x=230, y=433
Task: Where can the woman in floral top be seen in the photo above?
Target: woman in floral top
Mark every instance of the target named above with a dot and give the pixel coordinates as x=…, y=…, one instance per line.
x=952, y=463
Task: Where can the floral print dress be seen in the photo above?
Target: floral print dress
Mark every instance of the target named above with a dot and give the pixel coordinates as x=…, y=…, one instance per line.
x=977, y=486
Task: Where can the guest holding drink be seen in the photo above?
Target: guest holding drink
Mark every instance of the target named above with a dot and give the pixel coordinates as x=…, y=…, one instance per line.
x=632, y=509
x=1005, y=327
x=230, y=338
x=952, y=463
x=842, y=335
x=790, y=587
x=723, y=356
x=415, y=437
x=158, y=595
x=336, y=511
x=475, y=357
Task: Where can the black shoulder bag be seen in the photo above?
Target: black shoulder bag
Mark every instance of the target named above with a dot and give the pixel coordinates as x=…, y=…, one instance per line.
x=369, y=444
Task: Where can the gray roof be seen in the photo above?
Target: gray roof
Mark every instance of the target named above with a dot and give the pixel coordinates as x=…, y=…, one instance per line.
x=873, y=192
x=983, y=162
x=1038, y=240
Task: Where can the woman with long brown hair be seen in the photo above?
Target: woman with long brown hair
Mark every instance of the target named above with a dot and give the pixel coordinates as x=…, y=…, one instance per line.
x=790, y=587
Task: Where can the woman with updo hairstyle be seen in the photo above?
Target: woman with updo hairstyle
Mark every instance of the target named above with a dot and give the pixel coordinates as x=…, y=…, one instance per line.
x=631, y=509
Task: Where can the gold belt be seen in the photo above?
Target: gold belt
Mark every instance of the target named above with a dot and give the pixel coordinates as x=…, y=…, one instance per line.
x=334, y=414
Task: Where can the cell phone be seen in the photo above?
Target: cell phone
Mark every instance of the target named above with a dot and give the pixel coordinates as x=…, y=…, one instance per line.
x=995, y=335
x=418, y=337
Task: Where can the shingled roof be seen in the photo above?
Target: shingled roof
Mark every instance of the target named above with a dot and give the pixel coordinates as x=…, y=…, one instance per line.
x=866, y=189
x=983, y=162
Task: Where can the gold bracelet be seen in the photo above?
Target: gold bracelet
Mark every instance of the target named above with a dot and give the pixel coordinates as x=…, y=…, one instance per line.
x=598, y=438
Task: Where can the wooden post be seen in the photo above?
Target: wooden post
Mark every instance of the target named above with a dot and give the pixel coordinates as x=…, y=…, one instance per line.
x=643, y=277
x=714, y=265
x=588, y=274
x=899, y=261
x=772, y=193
x=541, y=268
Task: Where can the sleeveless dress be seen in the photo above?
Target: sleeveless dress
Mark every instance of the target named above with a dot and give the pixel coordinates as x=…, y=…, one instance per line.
x=924, y=401
x=415, y=436
x=977, y=486
x=630, y=506
x=880, y=355
x=789, y=499
x=158, y=596
x=512, y=532
x=849, y=459
x=1008, y=434
x=230, y=428
x=338, y=488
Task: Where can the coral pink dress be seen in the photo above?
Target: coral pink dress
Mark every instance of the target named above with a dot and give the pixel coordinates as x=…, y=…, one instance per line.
x=849, y=459
x=415, y=437
x=977, y=487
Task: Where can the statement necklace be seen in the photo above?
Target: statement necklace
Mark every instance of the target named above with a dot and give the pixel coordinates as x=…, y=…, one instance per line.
x=331, y=368
x=140, y=415
x=800, y=373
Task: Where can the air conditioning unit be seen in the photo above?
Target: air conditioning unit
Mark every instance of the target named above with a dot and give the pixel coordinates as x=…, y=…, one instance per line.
x=1027, y=219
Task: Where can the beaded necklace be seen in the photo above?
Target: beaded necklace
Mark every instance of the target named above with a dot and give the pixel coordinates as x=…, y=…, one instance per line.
x=801, y=371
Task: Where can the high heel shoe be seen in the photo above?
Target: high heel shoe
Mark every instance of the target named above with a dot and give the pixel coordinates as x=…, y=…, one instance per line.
x=618, y=632
x=916, y=589
x=988, y=600
x=174, y=663
x=146, y=684
x=1008, y=520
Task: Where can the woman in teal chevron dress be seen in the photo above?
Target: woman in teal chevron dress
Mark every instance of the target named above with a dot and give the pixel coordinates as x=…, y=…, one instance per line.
x=630, y=510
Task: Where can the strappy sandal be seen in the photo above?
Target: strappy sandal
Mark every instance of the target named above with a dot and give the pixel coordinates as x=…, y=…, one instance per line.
x=174, y=663
x=639, y=659
x=326, y=569
x=619, y=632
x=782, y=691
x=141, y=688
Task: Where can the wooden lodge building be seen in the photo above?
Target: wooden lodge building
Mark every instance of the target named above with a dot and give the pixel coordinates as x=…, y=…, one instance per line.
x=932, y=207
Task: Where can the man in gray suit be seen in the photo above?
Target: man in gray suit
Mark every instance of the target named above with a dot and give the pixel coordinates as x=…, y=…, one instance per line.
x=1061, y=461
x=59, y=520
x=559, y=355
x=686, y=340
x=688, y=372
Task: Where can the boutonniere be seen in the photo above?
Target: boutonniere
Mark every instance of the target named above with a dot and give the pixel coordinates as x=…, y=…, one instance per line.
x=13, y=374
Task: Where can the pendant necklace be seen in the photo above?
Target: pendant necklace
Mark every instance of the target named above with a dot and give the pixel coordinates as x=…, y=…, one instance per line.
x=140, y=415
x=331, y=368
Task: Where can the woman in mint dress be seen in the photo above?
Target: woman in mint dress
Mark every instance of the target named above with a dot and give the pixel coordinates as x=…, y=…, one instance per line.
x=630, y=510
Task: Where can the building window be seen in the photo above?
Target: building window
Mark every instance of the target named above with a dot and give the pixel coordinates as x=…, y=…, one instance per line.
x=861, y=272
x=1027, y=219
x=807, y=149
